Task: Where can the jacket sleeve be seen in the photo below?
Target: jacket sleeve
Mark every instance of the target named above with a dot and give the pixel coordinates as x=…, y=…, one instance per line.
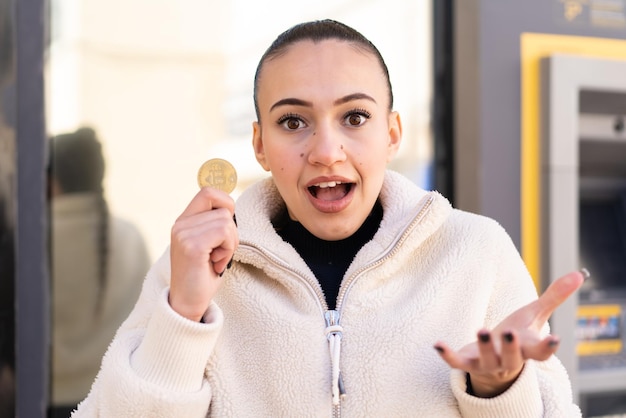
x=543, y=389
x=155, y=365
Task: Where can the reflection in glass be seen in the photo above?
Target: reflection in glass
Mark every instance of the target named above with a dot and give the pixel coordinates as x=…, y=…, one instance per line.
x=98, y=265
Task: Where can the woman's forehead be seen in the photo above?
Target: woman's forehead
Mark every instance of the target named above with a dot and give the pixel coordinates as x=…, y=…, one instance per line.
x=331, y=48
x=307, y=66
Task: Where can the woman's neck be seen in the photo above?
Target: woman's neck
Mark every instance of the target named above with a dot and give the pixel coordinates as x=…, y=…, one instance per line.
x=328, y=260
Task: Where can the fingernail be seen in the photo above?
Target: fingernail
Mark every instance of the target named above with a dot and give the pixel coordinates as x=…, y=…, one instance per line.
x=484, y=337
x=554, y=341
x=439, y=349
x=508, y=337
x=585, y=273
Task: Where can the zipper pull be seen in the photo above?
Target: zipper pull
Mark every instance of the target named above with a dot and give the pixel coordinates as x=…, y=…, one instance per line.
x=334, y=333
x=342, y=388
x=332, y=318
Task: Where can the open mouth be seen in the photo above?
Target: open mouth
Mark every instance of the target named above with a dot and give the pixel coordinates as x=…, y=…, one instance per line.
x=330, y=191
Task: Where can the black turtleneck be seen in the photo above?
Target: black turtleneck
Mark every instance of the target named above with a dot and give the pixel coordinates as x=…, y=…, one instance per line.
x=329, y=260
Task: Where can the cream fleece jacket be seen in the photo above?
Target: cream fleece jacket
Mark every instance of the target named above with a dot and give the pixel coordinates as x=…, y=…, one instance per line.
x=431, y=272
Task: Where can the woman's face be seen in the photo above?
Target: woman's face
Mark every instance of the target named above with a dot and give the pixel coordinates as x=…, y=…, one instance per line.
x=326, y=133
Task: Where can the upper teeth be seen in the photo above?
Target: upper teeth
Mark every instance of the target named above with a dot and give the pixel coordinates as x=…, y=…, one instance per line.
x=326, y=184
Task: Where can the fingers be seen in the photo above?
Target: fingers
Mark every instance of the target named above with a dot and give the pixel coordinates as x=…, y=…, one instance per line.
x=454, y=359
x=543, y=349
x=198, y=235
x=199, y=253
x=208, y=199
x=493, y=353
x=206, y=229
x=498, y=354
x=497, y=357
x=556, y=294
x=493, y=361
x=220, y=257
x=511, y=358
x=203, y=240
x=488, y=359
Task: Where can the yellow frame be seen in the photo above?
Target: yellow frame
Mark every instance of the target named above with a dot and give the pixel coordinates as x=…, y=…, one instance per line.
x=534, y=47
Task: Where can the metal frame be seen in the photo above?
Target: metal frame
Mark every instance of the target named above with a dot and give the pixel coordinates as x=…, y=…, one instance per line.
x=563, y=79
x=443, y=97
x=31, y=277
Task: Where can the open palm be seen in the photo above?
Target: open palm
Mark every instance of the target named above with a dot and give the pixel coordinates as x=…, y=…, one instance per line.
x=497, y=357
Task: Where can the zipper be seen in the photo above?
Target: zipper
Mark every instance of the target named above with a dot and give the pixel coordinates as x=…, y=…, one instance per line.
x=334, y=331
x=333, y=317
x=334, y=334
x=312, y=286
x=395, y=247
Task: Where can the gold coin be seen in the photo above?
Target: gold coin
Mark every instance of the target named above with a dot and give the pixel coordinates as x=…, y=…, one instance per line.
x=219, y=174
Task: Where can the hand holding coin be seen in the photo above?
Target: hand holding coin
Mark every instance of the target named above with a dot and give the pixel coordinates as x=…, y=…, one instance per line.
x=203, y=241
x=219, y=174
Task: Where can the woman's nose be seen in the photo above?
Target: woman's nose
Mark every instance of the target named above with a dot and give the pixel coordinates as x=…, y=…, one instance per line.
x=326, y=146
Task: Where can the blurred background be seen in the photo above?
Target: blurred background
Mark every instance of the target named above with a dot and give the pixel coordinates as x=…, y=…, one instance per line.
x=168, y=84
x=515, y=110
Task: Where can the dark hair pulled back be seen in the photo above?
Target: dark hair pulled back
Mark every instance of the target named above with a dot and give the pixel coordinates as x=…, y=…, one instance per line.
x=77, y=165
x=317, y=31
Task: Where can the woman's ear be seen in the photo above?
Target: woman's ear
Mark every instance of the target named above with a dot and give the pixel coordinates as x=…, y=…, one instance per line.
x=395, y=135
x=257, y=144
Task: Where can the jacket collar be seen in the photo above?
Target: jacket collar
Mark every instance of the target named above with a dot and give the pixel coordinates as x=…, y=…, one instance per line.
x=402, y=202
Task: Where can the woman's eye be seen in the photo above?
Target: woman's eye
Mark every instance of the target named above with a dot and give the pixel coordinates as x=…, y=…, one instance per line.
x=357, y=118
x=291, y=122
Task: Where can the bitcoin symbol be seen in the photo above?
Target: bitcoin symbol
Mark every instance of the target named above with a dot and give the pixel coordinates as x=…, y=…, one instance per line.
x=219, y=174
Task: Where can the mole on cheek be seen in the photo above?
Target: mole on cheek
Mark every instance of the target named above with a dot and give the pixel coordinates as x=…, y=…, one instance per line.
x=341, y=146
x=301, y=155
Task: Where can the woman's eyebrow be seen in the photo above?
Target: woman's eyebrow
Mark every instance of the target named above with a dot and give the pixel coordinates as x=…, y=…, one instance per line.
x=291, y=101
x=354, y=96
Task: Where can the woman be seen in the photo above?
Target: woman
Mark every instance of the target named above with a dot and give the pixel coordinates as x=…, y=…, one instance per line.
x=343, y=276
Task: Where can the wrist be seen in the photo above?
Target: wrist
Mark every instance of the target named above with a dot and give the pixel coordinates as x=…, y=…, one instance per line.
x=196, y=314
x=489, y=387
